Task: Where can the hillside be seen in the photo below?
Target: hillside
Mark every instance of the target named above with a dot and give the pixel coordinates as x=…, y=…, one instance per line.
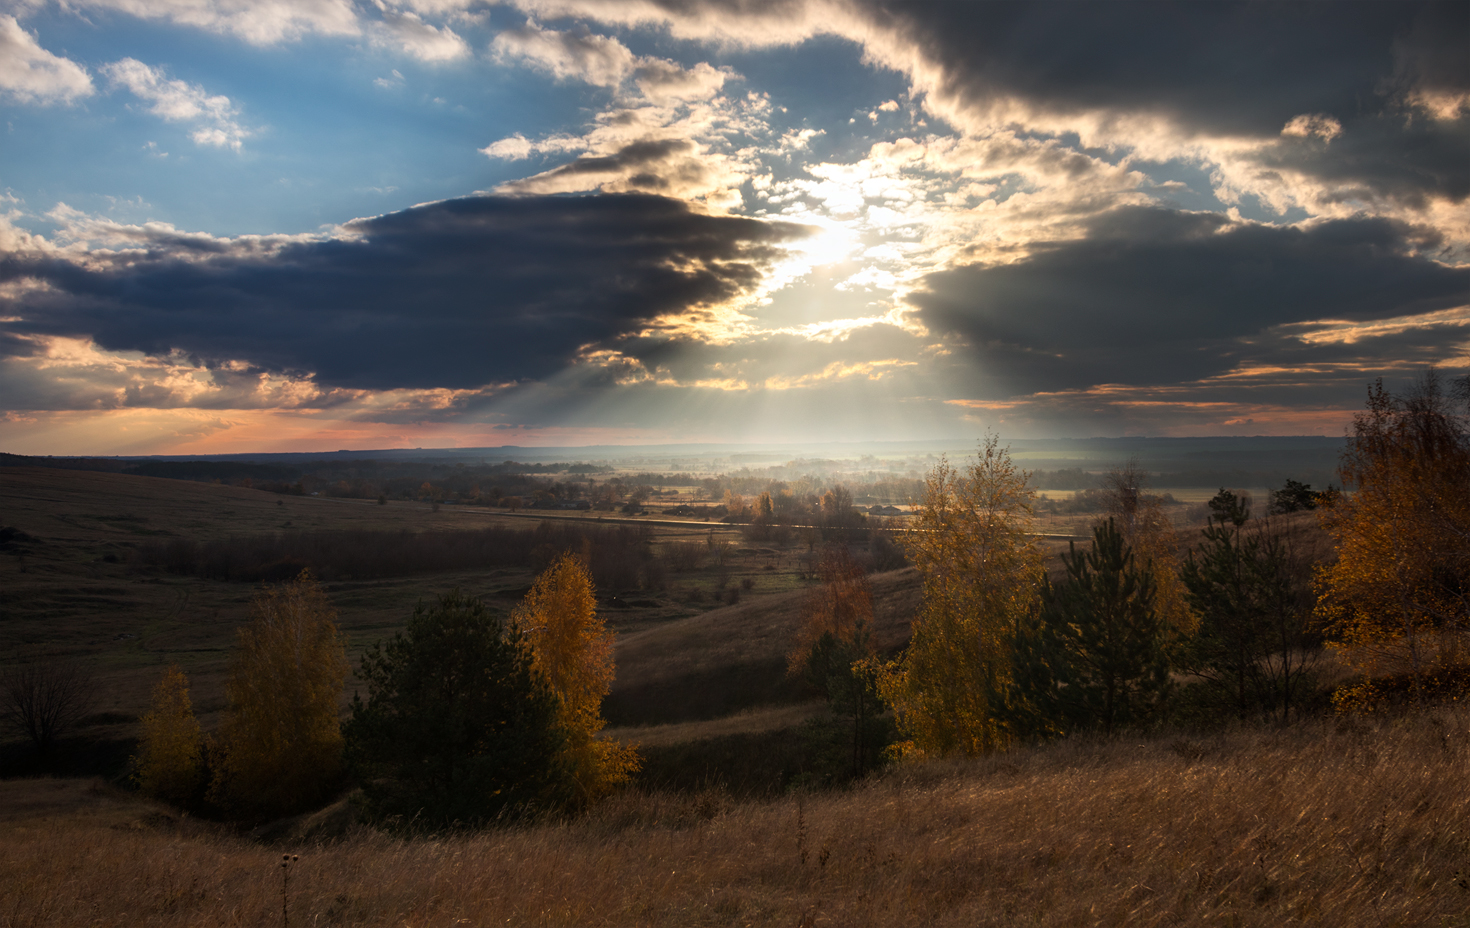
x=1330, y=824
x=79, y=588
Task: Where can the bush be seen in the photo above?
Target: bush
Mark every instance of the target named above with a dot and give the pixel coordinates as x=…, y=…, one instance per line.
x=458, y=727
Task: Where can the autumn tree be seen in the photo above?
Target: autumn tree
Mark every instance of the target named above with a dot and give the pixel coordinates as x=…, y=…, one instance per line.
x=837, y=509
x=1148, y=532
x=458, y=726
x=572, y=649
x=765, y=509
x=279, y=748
x=834, y=654
x=981, y=573
x=1397, y=598
x=170, y=760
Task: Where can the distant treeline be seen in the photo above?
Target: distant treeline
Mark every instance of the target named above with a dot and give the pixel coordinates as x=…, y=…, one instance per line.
x=361, y=479
x=1075, y=478
x=530, y=484
x=619, y=555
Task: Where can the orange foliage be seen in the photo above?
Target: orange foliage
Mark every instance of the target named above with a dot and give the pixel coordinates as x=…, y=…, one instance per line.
x=1398, y=596
x=842, y=607
x=982, y=576
x=573, y=650
x=280, y=747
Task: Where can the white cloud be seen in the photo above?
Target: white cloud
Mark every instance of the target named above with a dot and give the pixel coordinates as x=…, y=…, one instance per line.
x=518, y=147
x=30, y=74
x=408, y=33
x=603, y=61
x=1313, y=124
x=260, y=22
x=178, y=101
x=595, y=59
x=667, y=82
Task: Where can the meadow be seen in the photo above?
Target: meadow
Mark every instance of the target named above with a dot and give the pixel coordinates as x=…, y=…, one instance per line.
x=1332, y=821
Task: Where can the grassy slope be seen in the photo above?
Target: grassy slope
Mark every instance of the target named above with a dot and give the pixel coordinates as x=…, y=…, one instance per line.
x=63, y=597
x=1323, y=823
x=733, y=659
x=1348, y=824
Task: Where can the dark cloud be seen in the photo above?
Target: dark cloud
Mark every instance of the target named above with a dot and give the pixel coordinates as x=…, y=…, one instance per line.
x=454, y=294
x=1227, y=69
x=1150, y=296
x=1385, y=156
x=639, y=158
x=1220, y=67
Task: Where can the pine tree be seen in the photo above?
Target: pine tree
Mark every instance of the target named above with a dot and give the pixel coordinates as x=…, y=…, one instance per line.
x=1095, y=656
x=572, y=649
x=1255, y=638
x=458, y=726
x=1148, y=532
x=279, y=748
x=169, y=765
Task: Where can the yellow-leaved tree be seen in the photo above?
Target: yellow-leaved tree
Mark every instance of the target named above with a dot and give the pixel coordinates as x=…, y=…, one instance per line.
x=573, y=650
x=279, y=748
x=982, y=576
x=170, y=761
x=1397, y=597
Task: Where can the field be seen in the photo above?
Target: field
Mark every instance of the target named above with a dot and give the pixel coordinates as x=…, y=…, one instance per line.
x=1330, y=822
x=76, y=590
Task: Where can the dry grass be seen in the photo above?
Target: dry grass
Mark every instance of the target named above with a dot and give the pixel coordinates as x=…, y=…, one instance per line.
x=1338, y=824
x=732, y=659
x=751, y=721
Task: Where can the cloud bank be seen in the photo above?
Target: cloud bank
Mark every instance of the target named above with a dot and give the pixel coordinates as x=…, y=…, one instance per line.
x=450, y=295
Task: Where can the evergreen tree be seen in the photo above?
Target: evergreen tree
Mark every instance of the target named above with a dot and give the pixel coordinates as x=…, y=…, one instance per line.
x=1095, y=655
x=834, y=654
x=1293, y=497
x=1255, y=640
x=458, y=726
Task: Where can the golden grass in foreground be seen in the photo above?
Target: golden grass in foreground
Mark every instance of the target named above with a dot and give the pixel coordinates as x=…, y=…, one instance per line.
x=1328, y=824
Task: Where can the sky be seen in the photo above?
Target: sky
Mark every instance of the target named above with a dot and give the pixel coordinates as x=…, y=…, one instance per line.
x=297, y=225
